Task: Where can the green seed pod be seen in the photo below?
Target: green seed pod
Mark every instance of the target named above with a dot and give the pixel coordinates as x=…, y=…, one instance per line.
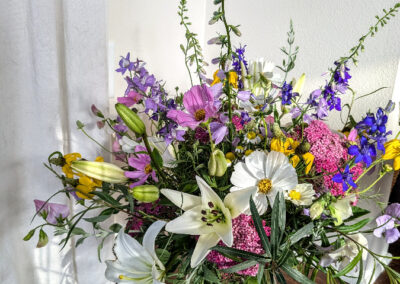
x=131, y=119
x=217, y=164
x=100, y=170
x=276, y=130
x=146, y=193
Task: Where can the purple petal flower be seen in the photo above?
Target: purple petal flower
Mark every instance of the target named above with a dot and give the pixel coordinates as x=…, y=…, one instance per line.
x=218, y=131
x=142, y=163
x=130, y=99
x=244, y=95
x=52, y=211
x=393, y=210
x=386, y=226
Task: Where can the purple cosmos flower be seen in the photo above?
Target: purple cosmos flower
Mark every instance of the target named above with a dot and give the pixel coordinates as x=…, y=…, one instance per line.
x=287, y=93
x=199, y=102
x=130, y=99
x=51, y=212
x=218, y=131
x=386, y=226
x=142, y=163
x=345, y=178
x=125, y=64
x=364, y=153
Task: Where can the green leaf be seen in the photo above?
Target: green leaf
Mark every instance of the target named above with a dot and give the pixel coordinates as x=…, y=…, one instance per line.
x=29, y=235
x=80, y=241
x=157, y=158
x=43, y=239
x=115, y=227
x=355, y=227
x=278, y=222
x=260, y=228
x=302, y=233
x=357, y=212
x=260, y=274
x=97, y=219
x=106, y=197
x=78, y=231
x=210, y=275
x=350, y=266
x=296, y=275
x=163, y=255
x=240, y=266
x=240, y=253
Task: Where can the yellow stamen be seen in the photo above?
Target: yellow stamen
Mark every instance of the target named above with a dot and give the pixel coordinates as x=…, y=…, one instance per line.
x=251, y=135
x=264, y=186
x=148, y=169
x=294, y=195
x=200, y=114
x=248, y=152
x=230, y=156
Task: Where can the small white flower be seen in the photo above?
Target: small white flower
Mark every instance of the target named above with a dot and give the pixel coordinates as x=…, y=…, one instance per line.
x=301, y=194
x=341, y=209
x=264, y=175
x=345, y=254
x=252, y=137
x=136, y=263
x=257, y=67
x=255, y=103
x=127, y=144
x=239, y=149
x=207, y=216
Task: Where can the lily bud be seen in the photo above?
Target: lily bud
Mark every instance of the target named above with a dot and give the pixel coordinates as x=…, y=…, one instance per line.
x=217, y=164
x=298, y=87
x=100, y=170
x=131, y=119
x=146, y=193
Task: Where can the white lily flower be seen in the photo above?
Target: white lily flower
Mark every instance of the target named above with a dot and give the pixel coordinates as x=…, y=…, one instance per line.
x=127, y=144
x=341, y=209
x=207, y=216
x=136, y=263
x=167, y=152
x=264, y=175
x=301, y=194
x=345, y=254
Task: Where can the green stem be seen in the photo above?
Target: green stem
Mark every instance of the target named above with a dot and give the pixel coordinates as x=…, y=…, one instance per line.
x=90, y=137
x=372, y=184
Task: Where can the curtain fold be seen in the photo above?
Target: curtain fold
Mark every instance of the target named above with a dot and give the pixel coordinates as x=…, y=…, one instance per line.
x=53, y=66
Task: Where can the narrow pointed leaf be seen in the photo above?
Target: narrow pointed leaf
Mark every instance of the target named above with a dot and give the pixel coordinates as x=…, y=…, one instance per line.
x=296, y=275
x=260, y=228
x=302, y=233
x=240, y=253
x=350, y=266
x=354, y=227
x=240, y=266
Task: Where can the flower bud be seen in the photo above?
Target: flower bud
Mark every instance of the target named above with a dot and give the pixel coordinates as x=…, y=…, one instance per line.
x=146, y=193
x=387, y=168
x=316, y=210
x=100, y=170
x=131, y=119
x=217, y=164
x=276, y=130
x=390, y=106
x=96, y=111
x=236, y=31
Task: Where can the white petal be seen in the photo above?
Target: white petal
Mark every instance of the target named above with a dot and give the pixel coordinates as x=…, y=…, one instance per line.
x=239, y=201
x=204, y=243
x=224, y=230
x=115, y=269
x=242, y=177
x=181, y=199
x=261, y=202
x=255, y=162
x=129, y=252
x=208, y=194
x=189, y=223
x=274, y=161
x=150, y=238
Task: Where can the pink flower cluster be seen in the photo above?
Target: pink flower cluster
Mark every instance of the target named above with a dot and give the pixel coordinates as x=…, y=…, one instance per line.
x=245, y=237
x=330, y=153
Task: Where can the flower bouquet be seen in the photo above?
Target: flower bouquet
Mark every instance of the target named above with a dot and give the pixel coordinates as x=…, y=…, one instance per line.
x=236, y=180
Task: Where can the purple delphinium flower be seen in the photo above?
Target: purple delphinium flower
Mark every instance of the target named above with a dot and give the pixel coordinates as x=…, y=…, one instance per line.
x=245, y=118
x=218, y=131
x=386, y=226
x=341, y=75
x=142, y=163
x=237, y=58
x=314, y=96
x=287, y=93
x=345, y=178
x=171, y=133
x=125, y=64
x=51, y=212
x=199, y=104
x=364, y=153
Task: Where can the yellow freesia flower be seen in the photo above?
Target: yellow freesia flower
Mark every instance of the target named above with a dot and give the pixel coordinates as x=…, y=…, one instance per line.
x=69, y=158
x=392, y=152
x=233, y=78
x=286, y=147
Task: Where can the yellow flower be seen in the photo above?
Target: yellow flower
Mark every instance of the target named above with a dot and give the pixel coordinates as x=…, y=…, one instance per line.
x=286, y=147
x=69, y=158
x=309, y=160
x=230, y=156
x=392, y=152
x=248, y=152
x=233, y=78
x=86, y=185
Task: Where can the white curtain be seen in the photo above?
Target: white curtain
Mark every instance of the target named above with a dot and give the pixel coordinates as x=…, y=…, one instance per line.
x=53, y=66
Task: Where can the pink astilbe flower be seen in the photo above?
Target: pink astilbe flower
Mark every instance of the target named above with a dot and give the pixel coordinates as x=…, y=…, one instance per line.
x=245, y=237
x=236, y=121
x=142, y=163
x=330, y=154
x=199, y=104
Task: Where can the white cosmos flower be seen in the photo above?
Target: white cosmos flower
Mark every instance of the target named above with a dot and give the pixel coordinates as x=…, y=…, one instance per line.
x=136, y=263
x=264, y=175
x=207, y=216
x=345, y=254
x=301, y=194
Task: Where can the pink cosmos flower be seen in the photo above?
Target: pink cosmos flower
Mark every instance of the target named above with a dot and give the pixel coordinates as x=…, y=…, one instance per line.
x=199, y=104
x=52, y=211
x=130, y=99
x=142, y=163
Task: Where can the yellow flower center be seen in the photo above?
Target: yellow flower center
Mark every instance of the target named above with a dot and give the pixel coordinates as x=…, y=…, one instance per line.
x=251, y=135
x=148, y=169
x=230, y=156
x=294, y=195
x=264, y=186
x=200, y=114
x=248, y=152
